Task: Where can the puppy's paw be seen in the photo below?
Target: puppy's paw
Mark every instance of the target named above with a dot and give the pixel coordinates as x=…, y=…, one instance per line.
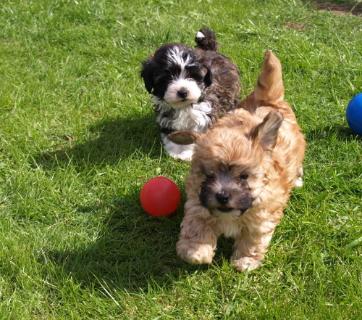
x=181, y=152
x=246, y=263
x=298, y=183
x=196, y=253
x=185, y=156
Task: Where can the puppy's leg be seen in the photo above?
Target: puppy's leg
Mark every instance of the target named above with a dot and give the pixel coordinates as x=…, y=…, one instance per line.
x=299, y=181
x=177, y=151
x=252, y=244
x=197, y=242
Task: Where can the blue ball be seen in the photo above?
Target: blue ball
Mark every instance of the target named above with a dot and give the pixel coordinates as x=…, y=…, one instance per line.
x=354, y=114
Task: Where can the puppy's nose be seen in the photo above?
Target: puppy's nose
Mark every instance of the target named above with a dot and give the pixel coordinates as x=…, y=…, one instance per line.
x=182, y=93
x=223, y=197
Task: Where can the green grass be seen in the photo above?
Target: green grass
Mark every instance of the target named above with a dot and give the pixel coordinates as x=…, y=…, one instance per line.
x=78, y=139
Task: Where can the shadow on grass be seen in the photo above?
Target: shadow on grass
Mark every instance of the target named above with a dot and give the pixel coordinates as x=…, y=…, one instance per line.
x=114, y=139
x=340, y=132
x=133, y=252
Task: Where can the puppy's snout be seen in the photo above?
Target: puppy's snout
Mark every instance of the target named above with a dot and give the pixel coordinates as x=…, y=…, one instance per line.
x=182, y=93
x=222, y=197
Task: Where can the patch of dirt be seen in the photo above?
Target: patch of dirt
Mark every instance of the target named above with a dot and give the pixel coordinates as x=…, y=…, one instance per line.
x=340, y=8
x=295, y=25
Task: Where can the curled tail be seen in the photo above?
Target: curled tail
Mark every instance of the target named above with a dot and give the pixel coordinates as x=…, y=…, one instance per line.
x=206, y=40
x=270, y=87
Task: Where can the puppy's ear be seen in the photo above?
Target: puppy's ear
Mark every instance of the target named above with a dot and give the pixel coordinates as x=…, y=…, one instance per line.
x=207, y=77
x=183, y=137
x=266, y=133
x=147, y=73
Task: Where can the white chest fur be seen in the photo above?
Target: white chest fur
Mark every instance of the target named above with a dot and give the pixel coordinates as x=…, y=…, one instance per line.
x=193, y=118
x=229, y=225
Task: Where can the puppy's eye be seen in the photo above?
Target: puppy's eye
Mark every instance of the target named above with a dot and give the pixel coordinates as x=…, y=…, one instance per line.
x=193, y=68
x=244, y=176
x=174, y=70
x=210, y=175
x=193, y=72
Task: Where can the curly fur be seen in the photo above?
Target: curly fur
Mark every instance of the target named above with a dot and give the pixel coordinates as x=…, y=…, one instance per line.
x=191, y=87
x=254, y=153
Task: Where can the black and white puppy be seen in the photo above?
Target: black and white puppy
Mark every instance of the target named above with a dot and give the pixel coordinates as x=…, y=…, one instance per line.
x=191, y=88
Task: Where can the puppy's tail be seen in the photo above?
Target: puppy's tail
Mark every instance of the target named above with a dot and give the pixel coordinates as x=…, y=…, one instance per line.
x=206, y=40
x=270, y=87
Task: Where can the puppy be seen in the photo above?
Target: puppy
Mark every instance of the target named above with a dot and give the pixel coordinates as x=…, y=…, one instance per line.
x=242, y=173
x=190, y=88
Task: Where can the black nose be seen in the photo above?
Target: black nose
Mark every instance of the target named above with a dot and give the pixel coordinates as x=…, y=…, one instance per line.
x=223, y=197
x=182, y=93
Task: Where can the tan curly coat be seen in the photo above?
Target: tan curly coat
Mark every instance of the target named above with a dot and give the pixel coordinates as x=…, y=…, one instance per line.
x=263, y=138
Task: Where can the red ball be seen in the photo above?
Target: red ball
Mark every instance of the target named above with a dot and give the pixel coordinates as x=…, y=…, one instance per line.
x=160, y=197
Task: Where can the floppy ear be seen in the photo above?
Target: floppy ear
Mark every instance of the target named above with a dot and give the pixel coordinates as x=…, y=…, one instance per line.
x=183, y=137
x=266, y=133
x=148, y=68
x=207, y=77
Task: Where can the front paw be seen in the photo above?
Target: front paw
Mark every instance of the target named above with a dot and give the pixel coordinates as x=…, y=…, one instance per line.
x=298, y=183
x=178, y=151
x=195, y=253
x=246, y=263
x=184, y=156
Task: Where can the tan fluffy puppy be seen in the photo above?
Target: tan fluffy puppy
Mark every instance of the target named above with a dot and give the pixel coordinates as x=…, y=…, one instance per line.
x=243, y=171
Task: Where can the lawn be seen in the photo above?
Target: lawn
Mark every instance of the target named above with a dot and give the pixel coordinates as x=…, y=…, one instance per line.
x=78, y=139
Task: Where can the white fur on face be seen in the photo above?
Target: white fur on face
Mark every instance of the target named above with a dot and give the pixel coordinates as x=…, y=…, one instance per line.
x=175, y=56
x=193, y=92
